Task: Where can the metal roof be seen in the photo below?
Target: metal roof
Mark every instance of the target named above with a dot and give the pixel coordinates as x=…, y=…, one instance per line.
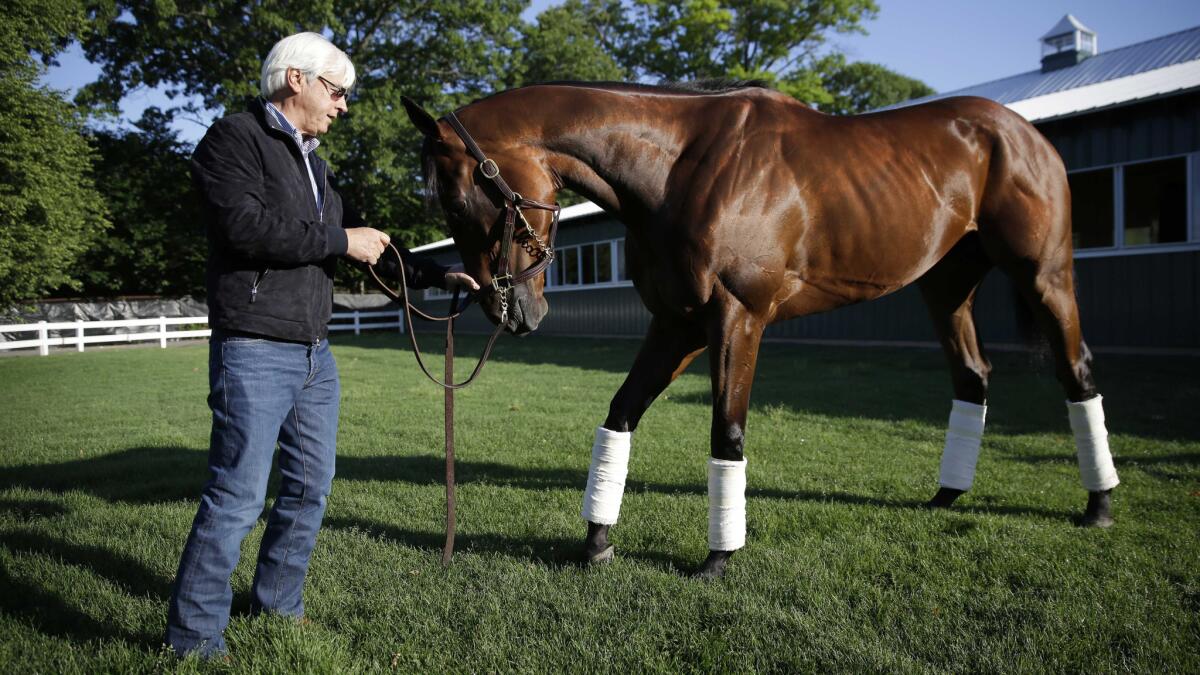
x=1180, y=51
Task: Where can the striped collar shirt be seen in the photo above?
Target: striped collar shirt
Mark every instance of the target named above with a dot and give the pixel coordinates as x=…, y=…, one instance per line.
x=306, y=145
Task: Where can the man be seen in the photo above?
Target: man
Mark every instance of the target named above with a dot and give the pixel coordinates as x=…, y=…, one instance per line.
x=275, y=231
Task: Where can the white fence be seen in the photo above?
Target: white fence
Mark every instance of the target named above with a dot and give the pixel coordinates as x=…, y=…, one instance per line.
x=75, y=332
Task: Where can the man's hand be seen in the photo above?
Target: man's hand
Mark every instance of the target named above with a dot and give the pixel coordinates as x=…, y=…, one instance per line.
x=366, y=244
x=457, y=278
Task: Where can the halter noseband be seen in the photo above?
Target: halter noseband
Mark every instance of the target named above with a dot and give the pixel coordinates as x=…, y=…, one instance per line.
x=504, y=281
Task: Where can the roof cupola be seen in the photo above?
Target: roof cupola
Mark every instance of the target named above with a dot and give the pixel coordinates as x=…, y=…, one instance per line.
x=1067, y=44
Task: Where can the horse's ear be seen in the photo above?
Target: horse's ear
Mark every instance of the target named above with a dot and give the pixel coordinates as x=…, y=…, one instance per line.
x=422, y=120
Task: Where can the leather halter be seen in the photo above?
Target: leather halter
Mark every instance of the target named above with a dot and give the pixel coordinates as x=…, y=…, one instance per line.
x=503, y=281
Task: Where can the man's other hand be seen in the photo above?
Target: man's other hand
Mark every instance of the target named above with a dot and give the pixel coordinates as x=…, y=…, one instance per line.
x=366, y=244
x=457, y=278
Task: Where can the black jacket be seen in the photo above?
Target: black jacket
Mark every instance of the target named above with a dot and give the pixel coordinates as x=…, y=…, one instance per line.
x=271, y=252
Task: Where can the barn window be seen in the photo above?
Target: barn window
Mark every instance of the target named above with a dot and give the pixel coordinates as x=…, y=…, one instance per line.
x=604, y=271
x=1156, y=202
x=1092, y=208
x=569, y=259
x=599, y=263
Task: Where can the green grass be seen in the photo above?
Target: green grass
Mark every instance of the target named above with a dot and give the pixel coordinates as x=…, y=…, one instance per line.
x=102, y=456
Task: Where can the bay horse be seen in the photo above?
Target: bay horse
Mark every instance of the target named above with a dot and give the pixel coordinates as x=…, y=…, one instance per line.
x=745, y=207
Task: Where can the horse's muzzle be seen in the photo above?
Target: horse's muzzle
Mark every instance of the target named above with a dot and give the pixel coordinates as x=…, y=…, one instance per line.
x=525, y=310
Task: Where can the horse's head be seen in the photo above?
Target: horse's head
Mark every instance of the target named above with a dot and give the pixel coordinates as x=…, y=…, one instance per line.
x=479, y=206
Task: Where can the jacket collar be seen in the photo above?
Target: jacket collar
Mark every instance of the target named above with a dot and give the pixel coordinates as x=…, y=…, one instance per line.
x=271, y=123
x=259, y=108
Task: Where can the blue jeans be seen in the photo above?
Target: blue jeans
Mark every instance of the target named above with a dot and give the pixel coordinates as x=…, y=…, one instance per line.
x=261, y=392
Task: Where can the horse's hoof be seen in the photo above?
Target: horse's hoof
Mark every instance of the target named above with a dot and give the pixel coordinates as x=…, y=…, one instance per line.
x=944, y=498
x=713, y=567
x=1099, y=510
x=1096, y=520
x=602, y=557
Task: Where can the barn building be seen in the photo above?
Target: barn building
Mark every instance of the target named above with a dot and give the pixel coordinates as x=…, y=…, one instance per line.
x=1127, y=125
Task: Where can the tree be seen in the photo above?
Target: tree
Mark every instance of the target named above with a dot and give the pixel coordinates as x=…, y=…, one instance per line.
x=861, y=86
x=157, y=243
x=50, y=211
x=577, y=40
x=773, y=40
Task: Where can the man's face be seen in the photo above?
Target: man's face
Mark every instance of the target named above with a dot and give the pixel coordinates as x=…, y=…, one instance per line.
x=319, y=101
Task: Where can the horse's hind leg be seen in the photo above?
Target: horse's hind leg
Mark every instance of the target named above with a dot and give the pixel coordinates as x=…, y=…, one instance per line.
x=949, y=292
x=1025, y=227
x=1048, y=288
x=734, y=337
x=666, y=352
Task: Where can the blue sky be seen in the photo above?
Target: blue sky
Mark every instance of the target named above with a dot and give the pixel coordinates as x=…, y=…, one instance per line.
x=949, y=44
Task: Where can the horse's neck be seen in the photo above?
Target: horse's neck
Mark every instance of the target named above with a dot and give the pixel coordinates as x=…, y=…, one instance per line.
x=620, y=152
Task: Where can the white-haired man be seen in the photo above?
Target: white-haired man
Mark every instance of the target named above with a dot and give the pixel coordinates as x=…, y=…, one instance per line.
x=276, y=227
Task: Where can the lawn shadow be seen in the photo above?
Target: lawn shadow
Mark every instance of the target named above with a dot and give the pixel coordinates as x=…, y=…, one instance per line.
x=172, y=474
x=553, y=552
x=1164, y=467
x=144, y=475
x=50, y=613
x=430, y=470
x=560, y=552
x=31, y=509
x=884, y=383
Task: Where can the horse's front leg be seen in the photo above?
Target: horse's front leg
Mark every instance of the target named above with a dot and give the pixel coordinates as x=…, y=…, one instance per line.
x=734, y=337
x=666, y=352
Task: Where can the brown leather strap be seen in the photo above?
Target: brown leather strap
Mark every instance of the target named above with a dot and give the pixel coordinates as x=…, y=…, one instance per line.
x=402, y=297
x=489, y=168
x=448, y=549
x=513, y=203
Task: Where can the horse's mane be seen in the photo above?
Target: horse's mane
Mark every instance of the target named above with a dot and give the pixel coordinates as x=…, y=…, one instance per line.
x=718, y=85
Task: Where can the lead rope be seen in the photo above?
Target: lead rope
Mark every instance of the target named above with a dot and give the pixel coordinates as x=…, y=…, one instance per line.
x=448, y=548
x=502, y=284
x=448, y=385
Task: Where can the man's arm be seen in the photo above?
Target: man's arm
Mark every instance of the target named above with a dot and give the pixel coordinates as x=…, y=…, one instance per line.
x=229, y=175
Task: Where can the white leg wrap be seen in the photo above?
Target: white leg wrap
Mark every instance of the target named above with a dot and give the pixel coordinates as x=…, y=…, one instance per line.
x=1096, y=469
x=606, y=476
x=963, y=436
x=726, y=505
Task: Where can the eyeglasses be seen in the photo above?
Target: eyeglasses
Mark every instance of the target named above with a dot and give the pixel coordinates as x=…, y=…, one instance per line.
x=335, y=92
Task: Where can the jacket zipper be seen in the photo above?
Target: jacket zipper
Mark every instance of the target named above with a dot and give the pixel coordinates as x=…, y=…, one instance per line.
x=258, y=279
x=321, y=217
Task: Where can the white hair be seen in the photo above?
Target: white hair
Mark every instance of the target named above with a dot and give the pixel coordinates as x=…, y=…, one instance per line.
x=311, y=54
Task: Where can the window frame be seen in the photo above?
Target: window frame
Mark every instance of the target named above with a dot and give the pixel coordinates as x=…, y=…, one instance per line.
x=434, y=293
x=1119, y=246
x=576, y=248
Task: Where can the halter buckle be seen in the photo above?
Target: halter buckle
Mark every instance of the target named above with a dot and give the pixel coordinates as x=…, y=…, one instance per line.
x=495, y=169
x=498, y=284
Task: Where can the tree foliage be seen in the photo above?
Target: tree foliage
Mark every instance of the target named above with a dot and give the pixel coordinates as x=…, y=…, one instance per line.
x=50, y=211
x=862, y=86
x=779, y=41
x=577, y=40
x=157, y=243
